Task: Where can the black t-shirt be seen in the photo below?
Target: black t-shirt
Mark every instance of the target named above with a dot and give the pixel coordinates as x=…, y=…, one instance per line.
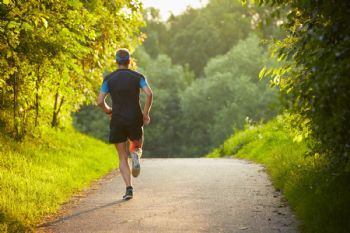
x=124, y=87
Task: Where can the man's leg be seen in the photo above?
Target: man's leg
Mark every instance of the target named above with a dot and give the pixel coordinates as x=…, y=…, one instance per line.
x=135, y=135
x=135, y=145
x=136, y=153
x=123, y=163
x=118, y=136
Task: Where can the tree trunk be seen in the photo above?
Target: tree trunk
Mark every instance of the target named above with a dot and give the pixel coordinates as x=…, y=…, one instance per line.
x=57, y=108
x=2, y=98
x=15, y=105
x=37, y=104
x=54, y=114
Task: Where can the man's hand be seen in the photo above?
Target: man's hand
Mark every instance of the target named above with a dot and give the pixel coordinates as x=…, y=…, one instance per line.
x=146, y=119
x=109, y=116
x=148, y=104
x=101, y=102
x=108, y=111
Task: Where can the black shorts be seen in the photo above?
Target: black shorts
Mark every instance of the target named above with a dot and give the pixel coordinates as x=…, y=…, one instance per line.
x=119, y=132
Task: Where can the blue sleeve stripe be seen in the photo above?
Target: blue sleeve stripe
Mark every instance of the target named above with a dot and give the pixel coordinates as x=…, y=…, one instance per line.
x=143, y=82
x=104, y=87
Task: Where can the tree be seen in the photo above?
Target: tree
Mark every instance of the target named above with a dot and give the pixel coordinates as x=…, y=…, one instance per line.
x=52, y=53
x=167, y=82
x=314, y=75
x=219, y=103
x=198, y=34
x=155, y=31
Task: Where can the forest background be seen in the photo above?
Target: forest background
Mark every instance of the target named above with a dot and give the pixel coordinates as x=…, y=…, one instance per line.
x=203, y=66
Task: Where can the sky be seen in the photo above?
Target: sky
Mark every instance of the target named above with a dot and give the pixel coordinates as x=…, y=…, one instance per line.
x=174, y=6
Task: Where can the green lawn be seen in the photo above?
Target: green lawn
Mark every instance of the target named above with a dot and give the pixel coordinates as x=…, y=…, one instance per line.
x=319, y=197
x=38, y=175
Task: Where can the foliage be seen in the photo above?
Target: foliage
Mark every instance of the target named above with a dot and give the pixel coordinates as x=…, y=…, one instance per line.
x=51, y=53
x=318, y=198
x=38, y=175
x=167, y=82
x=198, y=34
x=92, y=121
x=230, y=81
x=214, y=106
x=155, y=33
x=314, y=77
x=198, y=114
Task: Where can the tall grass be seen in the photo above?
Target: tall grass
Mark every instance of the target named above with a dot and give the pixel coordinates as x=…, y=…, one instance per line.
x=319, y=197
x=38, y=175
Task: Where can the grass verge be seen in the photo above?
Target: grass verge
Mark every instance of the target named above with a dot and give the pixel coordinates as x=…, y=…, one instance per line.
x=320, y=198
x=38, y=175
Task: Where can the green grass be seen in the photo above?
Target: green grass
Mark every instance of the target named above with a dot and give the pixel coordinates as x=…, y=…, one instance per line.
x=38, y=175
x=319, y=197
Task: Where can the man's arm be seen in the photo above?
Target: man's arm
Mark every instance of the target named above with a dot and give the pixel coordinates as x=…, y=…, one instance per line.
x=148, y=104
x=101, y=102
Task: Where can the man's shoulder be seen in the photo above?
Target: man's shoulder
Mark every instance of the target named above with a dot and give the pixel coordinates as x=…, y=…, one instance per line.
x=135, y=73
x=123, y=72
x=109, y=76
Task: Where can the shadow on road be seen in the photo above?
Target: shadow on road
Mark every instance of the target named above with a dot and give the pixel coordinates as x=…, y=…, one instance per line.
x=50, y=223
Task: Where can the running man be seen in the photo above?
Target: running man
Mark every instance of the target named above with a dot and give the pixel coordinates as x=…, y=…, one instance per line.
x=126, y=118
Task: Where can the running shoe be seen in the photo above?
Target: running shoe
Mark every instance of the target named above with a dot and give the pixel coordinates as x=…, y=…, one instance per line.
x=135, y=160
x=128, y=194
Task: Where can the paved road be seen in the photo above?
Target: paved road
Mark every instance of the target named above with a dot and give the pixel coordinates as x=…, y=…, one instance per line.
x=181, y=195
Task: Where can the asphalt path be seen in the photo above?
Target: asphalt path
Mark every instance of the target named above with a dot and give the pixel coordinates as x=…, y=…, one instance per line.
x=180, y=195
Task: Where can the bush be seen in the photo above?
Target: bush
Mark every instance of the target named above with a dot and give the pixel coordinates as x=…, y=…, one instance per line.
x=318, y=197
